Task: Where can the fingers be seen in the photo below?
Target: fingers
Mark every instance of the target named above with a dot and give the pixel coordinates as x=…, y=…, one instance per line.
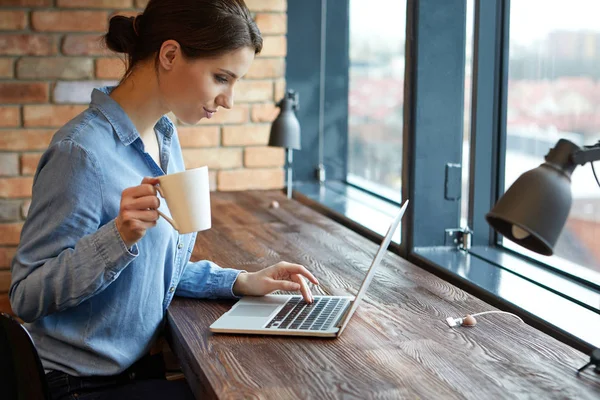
x=284, y=285
x=298, y=269
x=150, y=181
x=142, y=215
x=306, y=293
x=137, y=211
x=142, y=203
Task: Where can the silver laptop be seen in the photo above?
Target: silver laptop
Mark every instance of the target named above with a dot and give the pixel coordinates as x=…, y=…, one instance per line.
x=291, y=315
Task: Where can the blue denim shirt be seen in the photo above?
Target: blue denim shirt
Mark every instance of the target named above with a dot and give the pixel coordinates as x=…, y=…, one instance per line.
x=93, y=306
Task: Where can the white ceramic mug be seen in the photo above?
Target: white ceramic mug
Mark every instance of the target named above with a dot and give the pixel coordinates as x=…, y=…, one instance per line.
x=187, y=194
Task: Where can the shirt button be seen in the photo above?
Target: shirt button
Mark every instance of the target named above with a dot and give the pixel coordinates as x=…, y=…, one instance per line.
x=180, y=246
x=171, y=289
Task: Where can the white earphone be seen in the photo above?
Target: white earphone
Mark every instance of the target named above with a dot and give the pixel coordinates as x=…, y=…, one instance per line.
x=469, y=320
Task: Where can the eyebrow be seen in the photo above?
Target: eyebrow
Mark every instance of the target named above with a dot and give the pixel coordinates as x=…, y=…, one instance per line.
x=228, y=72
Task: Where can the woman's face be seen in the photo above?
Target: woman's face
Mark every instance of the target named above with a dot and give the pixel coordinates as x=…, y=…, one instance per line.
x=196, y=89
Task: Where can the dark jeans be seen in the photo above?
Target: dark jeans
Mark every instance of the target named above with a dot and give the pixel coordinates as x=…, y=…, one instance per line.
x=143, y=380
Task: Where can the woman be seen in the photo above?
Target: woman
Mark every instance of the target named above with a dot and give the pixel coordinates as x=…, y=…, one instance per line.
x=96, y=268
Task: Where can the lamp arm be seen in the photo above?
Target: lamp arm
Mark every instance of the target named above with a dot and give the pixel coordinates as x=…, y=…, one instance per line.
x=585, y=155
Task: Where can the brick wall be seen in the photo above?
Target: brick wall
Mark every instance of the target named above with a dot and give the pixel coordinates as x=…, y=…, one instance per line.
x=51, y=58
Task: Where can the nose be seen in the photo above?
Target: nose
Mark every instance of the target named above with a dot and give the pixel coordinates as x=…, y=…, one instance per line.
x=225, y=99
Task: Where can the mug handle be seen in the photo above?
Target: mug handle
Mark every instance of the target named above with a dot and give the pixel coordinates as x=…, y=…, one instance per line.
x=169, y=220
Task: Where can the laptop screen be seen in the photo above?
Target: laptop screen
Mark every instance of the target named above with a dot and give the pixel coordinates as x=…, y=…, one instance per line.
x=376, y=261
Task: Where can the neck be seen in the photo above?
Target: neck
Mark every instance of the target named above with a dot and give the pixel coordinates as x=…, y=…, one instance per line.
x=139, y=97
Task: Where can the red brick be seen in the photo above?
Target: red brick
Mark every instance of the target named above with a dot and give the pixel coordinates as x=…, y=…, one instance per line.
x=6, y=256
x=25, y=44
x=50, y=115
x=266, y=5
x=55, y=68
x=274, y=46
x=4, y=281
x=254, y=91
x=198, y=136
x=263, y=68
x=84, y=45
x=270, y=24
x=264, y=112
x=10, y=116
x=237, y=115
x=9, y=233
x=18, y=92
x=246, y=135
x=5, y=304
x=69, y=21
x=13, y=20
x=6, y=67
x=15, y=187
x=216, y=158
x=9, y=164
x=95, y=3
x=27, y=3
x=110, y=68
x=249, y=179
x=264, y=157
x=25, y=139
x=29, y=163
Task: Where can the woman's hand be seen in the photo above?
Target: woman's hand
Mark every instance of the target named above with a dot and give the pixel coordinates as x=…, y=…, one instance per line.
x=281, y=276
x=138, y=211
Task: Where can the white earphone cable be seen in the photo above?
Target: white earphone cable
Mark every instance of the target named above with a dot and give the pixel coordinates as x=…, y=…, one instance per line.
x=498, y=312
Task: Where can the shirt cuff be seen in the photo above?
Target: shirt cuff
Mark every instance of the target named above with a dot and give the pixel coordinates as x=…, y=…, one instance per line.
x=223, y=287
x=112, y=249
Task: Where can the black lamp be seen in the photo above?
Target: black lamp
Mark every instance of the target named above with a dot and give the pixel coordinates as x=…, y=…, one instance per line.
x=533, y=211
x=285, y=131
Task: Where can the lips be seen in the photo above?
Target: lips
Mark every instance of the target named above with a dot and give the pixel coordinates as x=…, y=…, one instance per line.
x=209, y=113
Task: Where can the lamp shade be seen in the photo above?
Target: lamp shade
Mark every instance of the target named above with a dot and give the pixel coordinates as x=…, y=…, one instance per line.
x=533, y=211
x=285, y=130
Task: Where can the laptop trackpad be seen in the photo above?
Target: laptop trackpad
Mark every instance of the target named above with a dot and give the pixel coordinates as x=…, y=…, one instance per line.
x=252, y=311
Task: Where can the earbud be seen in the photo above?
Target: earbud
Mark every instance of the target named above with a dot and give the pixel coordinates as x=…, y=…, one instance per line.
x=467, y=320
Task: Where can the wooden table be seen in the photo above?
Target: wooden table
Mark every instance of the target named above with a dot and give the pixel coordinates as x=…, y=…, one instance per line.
x=397, y=345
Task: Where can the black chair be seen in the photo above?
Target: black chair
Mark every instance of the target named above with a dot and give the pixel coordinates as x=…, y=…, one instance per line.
x=20, y=365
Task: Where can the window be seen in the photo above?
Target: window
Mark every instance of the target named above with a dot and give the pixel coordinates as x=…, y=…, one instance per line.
x=553, y=93
x=376, y=96
x=468, y=101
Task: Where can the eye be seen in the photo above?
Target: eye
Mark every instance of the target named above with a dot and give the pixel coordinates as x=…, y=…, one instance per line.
x=221, y=79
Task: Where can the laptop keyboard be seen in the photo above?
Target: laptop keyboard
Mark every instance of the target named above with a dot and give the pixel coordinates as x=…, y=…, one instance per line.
x=298, y=314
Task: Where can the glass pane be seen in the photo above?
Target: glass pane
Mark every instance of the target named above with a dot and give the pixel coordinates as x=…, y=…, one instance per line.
x=554, y=92
x=376, y=95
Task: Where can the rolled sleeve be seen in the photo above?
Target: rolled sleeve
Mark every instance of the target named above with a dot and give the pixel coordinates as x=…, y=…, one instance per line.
x=205, y=279
x=112, y=249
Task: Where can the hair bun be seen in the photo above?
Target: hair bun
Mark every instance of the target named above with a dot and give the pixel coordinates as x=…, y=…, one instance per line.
x=121, y=36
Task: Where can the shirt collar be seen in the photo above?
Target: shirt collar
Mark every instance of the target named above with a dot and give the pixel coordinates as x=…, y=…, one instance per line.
x=120, y=121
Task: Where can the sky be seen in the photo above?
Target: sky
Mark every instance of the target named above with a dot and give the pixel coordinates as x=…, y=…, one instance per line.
x=532, y=20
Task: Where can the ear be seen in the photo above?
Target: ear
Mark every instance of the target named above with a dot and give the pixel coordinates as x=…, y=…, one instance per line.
x=169, y=52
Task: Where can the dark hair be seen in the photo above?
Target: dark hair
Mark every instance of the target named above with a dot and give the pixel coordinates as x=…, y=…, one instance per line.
x=203, y=29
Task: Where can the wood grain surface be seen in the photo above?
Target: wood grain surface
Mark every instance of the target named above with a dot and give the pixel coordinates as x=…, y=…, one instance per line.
x=396, y=346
